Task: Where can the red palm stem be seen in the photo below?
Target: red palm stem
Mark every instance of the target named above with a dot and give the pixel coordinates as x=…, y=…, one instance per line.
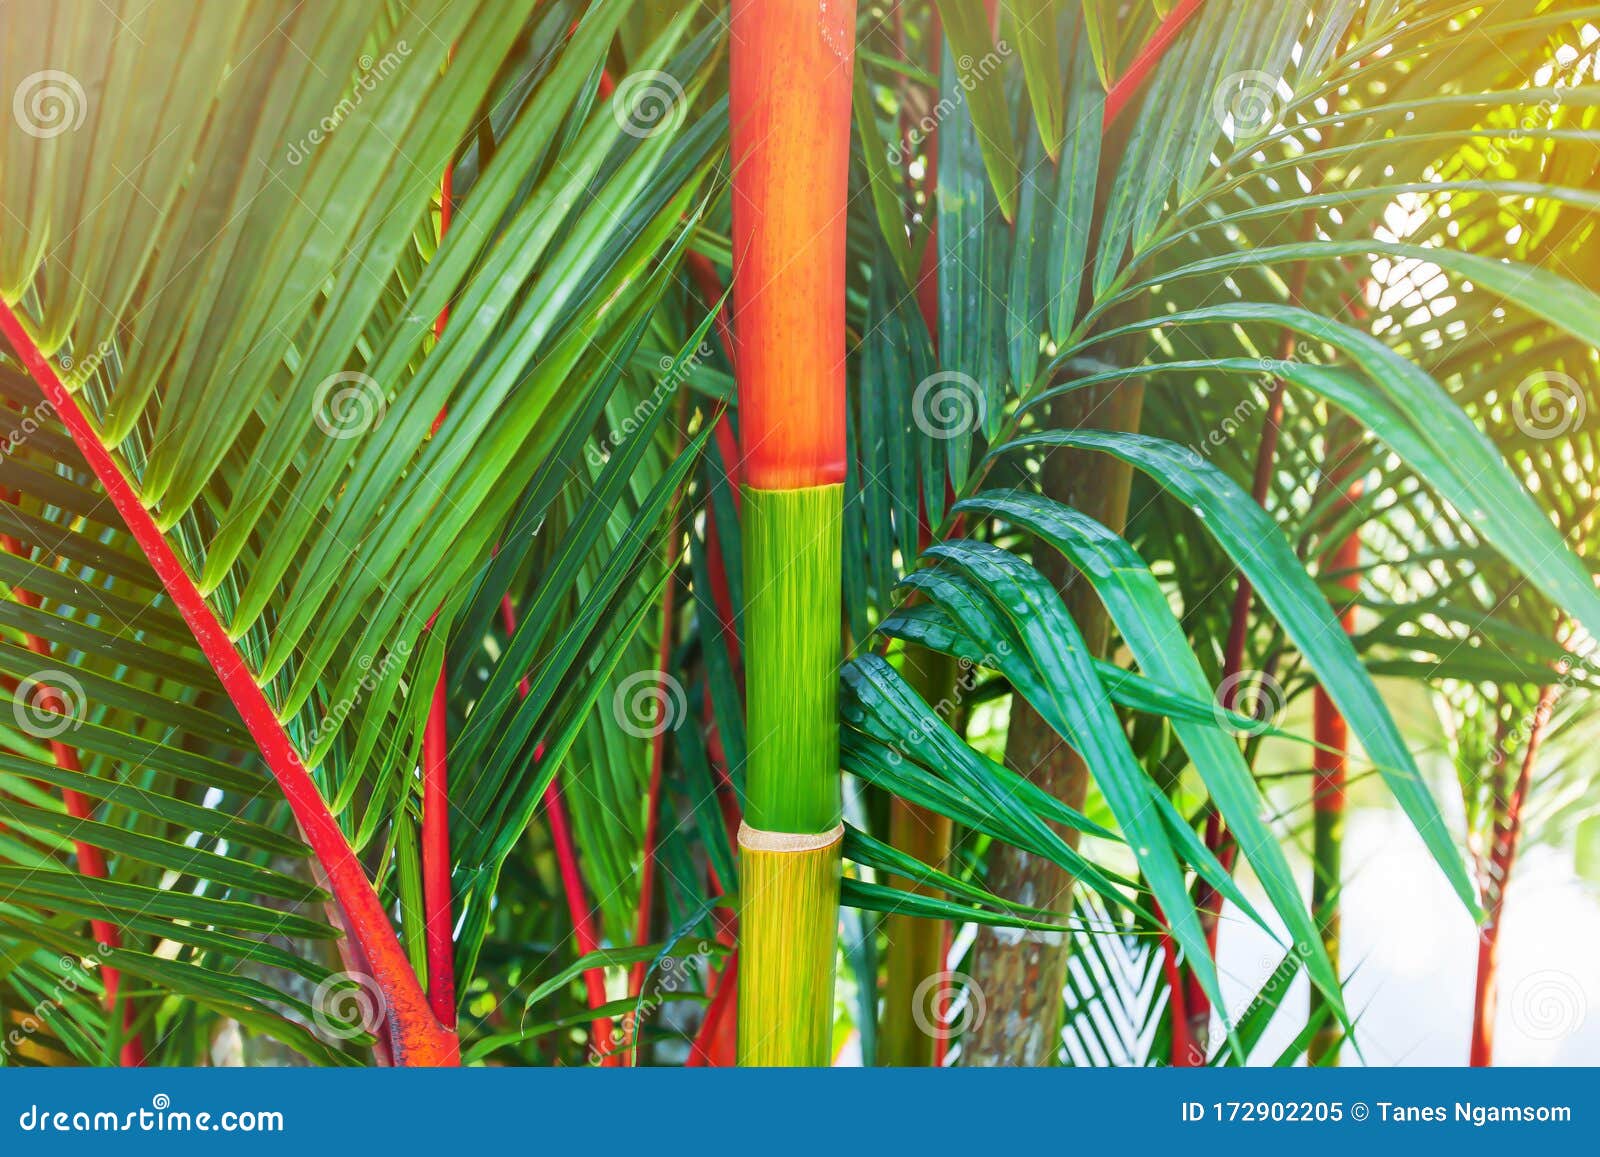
x=652, y=823
x=1182, y=1051
x=1122, y=92
x=439, y=923
x=1508, y=833
x=572, y=883
x=91, y=860
x=418, y=1037
x=704, y=1051
x=438, y=919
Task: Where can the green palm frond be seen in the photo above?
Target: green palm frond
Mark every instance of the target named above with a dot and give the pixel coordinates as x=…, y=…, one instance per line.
x=247, y=324
x=1176, y=271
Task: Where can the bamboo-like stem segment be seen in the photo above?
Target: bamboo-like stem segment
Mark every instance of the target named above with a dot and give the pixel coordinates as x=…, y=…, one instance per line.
x=789, y=79
x=792, y=653
x=790, y=69
x=790, y=888
x=789, y=850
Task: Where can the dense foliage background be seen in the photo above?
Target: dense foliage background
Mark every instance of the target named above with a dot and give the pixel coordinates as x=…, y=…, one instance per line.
x=1220, y=412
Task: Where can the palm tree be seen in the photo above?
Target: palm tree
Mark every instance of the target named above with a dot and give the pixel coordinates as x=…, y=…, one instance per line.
x=1217, y=254
x=231, y=500
x=434, y=612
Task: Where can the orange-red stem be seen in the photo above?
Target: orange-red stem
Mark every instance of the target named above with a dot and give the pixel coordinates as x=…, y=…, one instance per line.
x=789, y=236
x=572, y=883
x=705, y=1050
x=1129, y=83
x=419, y=1039
x=438, y=915
x=91, y=860
x=438, y=921
x=1508, y=833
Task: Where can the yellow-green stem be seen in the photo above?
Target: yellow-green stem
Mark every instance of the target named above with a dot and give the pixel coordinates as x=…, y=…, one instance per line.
x=789, y=915
x=792, y=653
x=789, y=850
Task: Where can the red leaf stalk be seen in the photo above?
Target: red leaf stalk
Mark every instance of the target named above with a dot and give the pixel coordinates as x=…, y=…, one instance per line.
x=439, y=924
x=91, y=860
x=704, y=1050
x=418, y=1037
x=1129, y=83
x=1182, y=1052
x=1209, y=900
x=1329, y=762
x=572, y=883
x=438, y=919
x=1507, y=835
